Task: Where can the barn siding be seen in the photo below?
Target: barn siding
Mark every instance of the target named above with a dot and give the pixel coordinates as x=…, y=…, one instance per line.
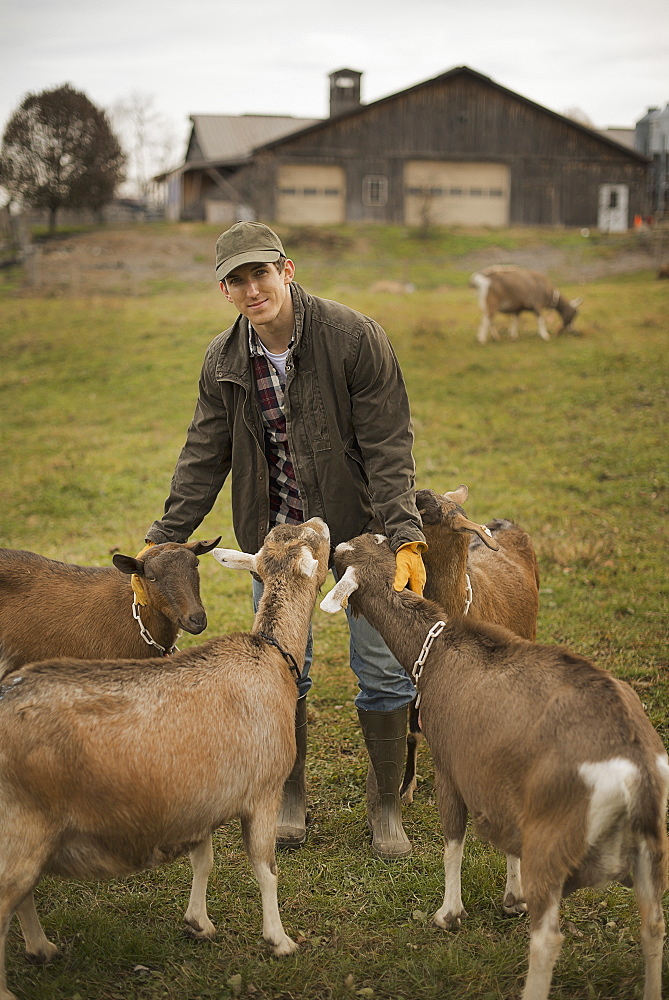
x=555, y=167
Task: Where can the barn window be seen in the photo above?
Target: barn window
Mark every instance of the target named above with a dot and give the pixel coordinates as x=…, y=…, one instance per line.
x=496, y=193
x=476, y=192
x=311, y=191
x=613, y=198
x=332, y=192
x=456, y=192
x=287, y=190
x=375, y=190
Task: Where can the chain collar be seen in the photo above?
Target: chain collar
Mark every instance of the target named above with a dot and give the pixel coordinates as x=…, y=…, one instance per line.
x=435, y=631
x=146, y=635
x=288, y=657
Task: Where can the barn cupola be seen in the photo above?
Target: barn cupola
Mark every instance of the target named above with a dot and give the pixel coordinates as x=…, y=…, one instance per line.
x=344, y=91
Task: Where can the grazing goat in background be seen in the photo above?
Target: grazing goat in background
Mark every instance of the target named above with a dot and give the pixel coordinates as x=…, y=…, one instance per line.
x=50, y=608
x=493, y=578
x=577, y=785
x=110, y=767
x=508, y=289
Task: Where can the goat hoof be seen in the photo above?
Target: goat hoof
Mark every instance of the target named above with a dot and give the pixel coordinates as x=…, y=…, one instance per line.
x=285, y=947
x=198, y=933
x=449, y=921
x=513, y=907
x=46, y=954
x=406, y=794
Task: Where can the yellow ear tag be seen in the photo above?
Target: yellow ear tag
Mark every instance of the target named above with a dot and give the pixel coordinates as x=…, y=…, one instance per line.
x=136, y=581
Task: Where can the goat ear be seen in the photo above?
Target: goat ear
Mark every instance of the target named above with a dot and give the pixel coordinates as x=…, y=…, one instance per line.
x=233, y=559
x=464, y=524
x=307, y=565
x=458, y=496
x=128, y=564
x=575, y=303
x=199, y=548
x=338, y=597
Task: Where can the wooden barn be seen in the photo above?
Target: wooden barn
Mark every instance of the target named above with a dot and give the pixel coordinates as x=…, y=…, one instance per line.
x=458, y=149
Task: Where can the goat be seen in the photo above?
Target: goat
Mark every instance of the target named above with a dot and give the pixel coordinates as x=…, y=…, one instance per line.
x=578, y=787
x=494, y=578
x=50, y=608
x=109, y=767
x=497, y=581
x=508, y=289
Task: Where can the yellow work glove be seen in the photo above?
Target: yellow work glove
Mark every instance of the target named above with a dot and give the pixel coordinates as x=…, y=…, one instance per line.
x=136, y=581
x=410, y=570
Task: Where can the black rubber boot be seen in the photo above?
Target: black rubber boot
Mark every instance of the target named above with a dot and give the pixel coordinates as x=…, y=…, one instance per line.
x=385, y=737
x=291, y=830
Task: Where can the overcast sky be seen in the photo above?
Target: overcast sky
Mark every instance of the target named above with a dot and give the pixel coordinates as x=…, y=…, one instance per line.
x=609, y=58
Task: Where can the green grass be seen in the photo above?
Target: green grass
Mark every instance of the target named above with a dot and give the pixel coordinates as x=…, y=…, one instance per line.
x=566, y=437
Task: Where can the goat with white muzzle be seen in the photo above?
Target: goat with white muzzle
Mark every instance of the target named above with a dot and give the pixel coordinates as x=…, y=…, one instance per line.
x=109, y=767
x=577, y=787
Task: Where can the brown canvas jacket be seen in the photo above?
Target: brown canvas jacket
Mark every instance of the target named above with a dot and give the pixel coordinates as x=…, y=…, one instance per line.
x=349, y=428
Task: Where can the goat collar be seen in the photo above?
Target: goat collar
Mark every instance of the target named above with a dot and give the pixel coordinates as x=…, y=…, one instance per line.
x=146, y=635
x=470, y=594
x=288, y=657
x=435, y=631
x=417, y=668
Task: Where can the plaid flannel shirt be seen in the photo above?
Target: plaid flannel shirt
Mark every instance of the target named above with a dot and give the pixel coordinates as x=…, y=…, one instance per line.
x=285, y=502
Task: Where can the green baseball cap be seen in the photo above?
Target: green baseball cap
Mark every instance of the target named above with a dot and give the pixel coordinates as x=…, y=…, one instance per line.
x=246, y=243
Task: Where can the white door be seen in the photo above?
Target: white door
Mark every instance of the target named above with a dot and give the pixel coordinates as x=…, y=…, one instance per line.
x=612, y=213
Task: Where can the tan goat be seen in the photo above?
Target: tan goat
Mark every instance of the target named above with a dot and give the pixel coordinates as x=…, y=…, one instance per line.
x=493, y=578
x=50, y=608
x=109, y=767
x=511, y=290
x=577, y=786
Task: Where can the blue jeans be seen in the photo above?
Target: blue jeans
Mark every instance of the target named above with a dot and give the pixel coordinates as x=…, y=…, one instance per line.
x=384, y=684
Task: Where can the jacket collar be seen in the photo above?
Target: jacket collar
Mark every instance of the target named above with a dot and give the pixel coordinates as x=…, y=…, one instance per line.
x=233, y=357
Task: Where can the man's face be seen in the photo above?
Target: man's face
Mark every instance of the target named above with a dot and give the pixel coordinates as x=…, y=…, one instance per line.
x=259, y=292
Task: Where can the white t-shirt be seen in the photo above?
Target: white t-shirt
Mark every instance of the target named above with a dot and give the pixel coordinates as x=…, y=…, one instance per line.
x=278, y=360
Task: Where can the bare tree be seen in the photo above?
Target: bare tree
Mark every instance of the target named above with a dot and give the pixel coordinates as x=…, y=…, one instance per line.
x=149, y=139
x=578, y=115
x=59, y=151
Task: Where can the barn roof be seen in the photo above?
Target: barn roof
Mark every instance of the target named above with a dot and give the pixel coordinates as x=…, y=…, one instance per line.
x=221, y=139
x=449, y=74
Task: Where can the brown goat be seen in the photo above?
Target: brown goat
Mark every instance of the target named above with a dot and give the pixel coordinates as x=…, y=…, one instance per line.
x=577, y=787
x=494, y=577
x=509, y=289
x=109, y=767
x=50, y=608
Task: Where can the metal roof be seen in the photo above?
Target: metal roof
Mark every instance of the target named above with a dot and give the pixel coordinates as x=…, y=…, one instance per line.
x=223, y=138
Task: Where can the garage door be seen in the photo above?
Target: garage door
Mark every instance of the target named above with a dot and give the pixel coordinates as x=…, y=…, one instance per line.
x=470, y=194
x=310, y=194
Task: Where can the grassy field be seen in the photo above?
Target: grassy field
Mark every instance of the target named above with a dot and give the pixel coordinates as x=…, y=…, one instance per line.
x=569, y=438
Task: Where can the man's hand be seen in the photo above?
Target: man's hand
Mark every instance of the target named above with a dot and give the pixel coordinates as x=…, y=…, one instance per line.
x=410, y=570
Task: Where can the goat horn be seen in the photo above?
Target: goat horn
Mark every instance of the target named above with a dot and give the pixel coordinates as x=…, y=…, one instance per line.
x=484, y=533
x=338, y=597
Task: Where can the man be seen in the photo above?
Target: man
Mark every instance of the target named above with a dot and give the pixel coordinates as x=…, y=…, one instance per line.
x=303, y=402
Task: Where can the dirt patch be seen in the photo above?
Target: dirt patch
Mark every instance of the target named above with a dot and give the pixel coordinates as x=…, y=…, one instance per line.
x=131, y=260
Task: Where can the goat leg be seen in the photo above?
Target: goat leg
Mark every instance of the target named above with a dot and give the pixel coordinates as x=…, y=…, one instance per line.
x=199, y=925
x=259, y=835
x=513, y=905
